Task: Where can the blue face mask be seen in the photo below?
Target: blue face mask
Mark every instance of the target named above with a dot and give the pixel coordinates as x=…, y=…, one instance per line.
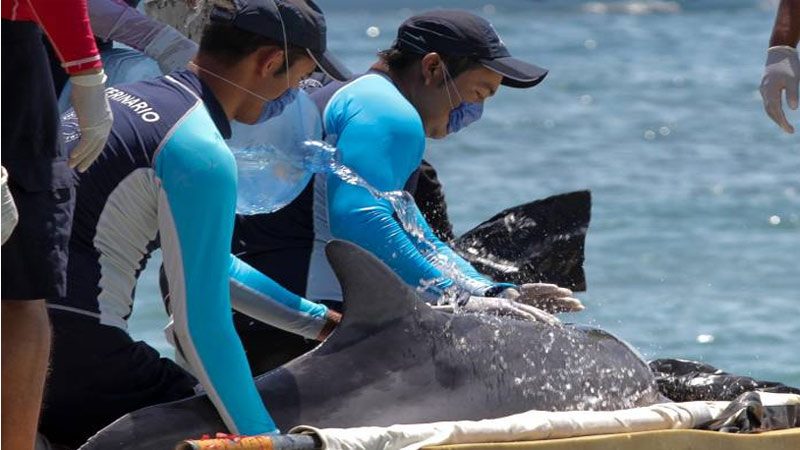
x=275, y=107
x=463, y=115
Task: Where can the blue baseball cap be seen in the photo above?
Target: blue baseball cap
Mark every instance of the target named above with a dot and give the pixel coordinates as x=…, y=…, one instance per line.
x=299, y=22
x=463, y=34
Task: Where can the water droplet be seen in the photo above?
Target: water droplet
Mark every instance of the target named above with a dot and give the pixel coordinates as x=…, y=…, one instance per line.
x=718, y=189
x=664, y=131
x=678, y=80
x=649, y=135
x=489, y=9
x=590, y=44
x=705, y=338
x=373, y=31
x=586, y=99
x=775, y=220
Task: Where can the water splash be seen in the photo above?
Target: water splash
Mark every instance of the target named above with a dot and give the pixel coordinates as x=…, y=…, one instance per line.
x=635, y=8
x=407, y=214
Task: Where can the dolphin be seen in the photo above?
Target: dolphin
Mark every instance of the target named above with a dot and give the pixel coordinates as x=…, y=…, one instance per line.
x=395, y=360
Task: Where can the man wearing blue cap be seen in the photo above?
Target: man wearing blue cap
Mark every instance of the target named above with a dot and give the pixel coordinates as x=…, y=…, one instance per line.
x=167, y=179
x=432, y=82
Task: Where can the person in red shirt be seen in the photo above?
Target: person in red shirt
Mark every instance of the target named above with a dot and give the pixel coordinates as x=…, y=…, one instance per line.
x=40, y=180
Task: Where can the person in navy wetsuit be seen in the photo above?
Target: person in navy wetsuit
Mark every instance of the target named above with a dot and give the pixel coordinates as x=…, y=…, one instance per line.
x=166, y=179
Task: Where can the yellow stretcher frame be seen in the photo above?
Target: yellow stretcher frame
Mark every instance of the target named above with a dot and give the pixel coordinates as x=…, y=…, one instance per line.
x=653, y=440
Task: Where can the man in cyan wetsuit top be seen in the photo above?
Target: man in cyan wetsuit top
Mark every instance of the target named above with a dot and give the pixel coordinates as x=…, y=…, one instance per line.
x=166, y=179
x=432, y=82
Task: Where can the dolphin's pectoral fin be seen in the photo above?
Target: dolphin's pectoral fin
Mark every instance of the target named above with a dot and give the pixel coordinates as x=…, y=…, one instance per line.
x=373, y=294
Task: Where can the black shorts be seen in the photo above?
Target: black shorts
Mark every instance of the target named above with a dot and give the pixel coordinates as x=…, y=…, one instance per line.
x=98, y=374
x=34, y=259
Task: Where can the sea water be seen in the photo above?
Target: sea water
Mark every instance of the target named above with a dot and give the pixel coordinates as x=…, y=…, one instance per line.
x=695, y=236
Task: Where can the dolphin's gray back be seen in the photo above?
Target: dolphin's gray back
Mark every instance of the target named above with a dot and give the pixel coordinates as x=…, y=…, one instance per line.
x=395, y=360
x=466, y=367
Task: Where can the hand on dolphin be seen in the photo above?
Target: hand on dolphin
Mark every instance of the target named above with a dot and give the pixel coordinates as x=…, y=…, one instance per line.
x=502, y=307
x=545, y=296
x=332, y=319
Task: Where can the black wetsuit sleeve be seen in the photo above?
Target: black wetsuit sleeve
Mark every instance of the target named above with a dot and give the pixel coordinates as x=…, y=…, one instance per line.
x=425, y=187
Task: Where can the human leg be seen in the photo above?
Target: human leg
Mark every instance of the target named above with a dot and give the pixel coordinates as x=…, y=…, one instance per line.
x=25, y=352
x=98, y=374
x=34, y=257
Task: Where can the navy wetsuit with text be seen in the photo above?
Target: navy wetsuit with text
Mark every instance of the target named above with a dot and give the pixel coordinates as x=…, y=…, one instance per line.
x=167, y=179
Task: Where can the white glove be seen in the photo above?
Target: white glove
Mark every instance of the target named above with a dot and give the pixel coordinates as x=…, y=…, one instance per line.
x=502, y=307
x=94, y=118
x=547, y=297
x=171, y=49
x=781, y=72
x=9, y=214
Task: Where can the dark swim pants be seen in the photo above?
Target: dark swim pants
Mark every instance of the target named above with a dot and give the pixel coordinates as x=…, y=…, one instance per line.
x=98, y=374
x=34, y=259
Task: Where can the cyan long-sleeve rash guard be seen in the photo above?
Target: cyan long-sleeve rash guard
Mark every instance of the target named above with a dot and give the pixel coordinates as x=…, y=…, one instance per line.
x=379, y=135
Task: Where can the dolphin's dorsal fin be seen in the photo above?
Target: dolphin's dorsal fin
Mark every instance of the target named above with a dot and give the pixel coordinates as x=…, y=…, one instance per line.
x=373, y=293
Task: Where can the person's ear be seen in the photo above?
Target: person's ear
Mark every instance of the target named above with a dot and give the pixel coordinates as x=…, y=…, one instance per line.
x=269, y=60
x=432, y=69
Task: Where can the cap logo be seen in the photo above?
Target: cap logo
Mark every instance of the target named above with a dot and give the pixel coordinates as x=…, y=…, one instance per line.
x=497, y=34
x=416, y=38
x=418, y=45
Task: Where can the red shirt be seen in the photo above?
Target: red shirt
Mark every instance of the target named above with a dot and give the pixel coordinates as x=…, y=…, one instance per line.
x=66, y=24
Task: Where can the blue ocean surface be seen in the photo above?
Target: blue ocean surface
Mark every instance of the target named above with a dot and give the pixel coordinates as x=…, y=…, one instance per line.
x=695, y=237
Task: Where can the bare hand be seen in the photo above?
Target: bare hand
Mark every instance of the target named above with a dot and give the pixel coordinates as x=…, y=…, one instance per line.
x=545, y=296
x=501, y=307
x=332, y=320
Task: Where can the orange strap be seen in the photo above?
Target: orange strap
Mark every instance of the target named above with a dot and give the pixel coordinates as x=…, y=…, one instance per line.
x=224, y=441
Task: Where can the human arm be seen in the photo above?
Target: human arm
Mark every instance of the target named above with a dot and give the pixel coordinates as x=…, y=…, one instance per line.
x=782, y=69
x=540, y=296
x=463, y=274
x=501, y=307
x=66, y=24
x=196, y=210
x=115, y=20
x=786, y=30
x=260, y=297
x=380, y=137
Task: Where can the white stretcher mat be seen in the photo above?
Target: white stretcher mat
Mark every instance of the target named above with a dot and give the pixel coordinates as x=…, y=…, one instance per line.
x=530, y=426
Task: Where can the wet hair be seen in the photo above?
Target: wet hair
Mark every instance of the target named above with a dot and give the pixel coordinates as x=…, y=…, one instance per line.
x=229, y=45
x=399, y=60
